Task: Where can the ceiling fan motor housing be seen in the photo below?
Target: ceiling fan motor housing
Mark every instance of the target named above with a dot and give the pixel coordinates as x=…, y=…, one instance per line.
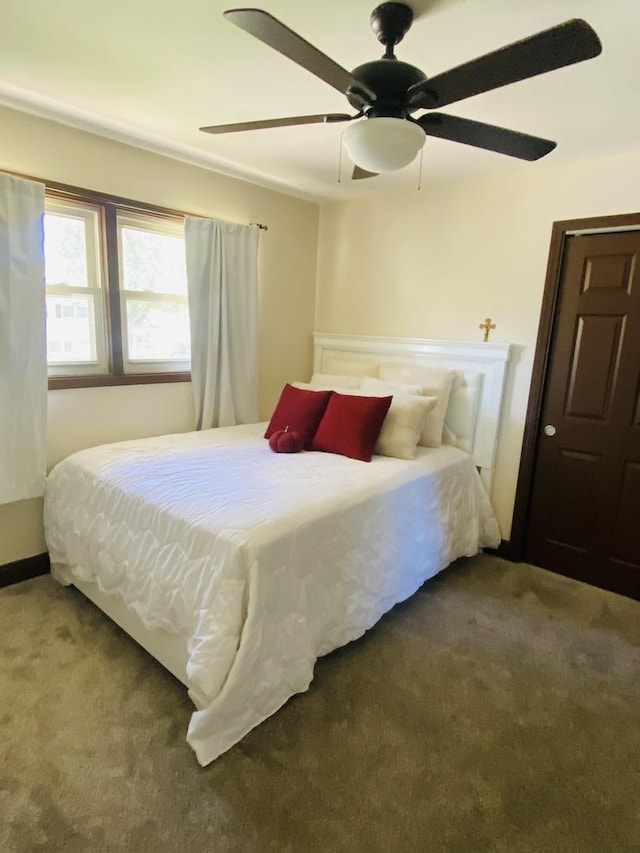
x=389, y=79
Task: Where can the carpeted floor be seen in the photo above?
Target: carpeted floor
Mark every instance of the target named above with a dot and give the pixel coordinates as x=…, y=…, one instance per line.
x=497, y=710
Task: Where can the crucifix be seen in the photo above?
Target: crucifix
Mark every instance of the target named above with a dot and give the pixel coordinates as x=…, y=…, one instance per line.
x=487, y=326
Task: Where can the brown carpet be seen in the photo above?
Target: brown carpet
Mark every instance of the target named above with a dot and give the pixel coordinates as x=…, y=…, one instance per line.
x=497, y=710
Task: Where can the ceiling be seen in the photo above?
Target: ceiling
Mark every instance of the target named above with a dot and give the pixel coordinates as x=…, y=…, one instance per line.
x=150, y=72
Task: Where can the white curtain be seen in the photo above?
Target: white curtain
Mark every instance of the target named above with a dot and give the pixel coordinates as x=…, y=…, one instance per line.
x=222, y=277
x=23, y=358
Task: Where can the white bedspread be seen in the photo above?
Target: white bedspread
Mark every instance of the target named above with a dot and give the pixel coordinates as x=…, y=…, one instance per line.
x=261, y=561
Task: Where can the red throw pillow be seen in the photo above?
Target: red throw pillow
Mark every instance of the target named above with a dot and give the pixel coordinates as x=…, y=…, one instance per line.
x=351, y=425
x=300, y=410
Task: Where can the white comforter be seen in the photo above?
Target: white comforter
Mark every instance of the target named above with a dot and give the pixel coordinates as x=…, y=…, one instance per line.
x=261, y=561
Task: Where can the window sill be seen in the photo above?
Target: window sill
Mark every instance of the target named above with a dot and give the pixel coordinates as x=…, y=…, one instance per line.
x=59, y=382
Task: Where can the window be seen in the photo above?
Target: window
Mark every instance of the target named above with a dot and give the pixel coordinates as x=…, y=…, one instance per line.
x=116, y=290
x=153, y=289
x=76, y=341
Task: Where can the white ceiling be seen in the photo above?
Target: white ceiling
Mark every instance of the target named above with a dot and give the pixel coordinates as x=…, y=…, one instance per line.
x=150, y=72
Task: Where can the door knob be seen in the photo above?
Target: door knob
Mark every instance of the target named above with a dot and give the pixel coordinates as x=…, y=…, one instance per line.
x=549, y=430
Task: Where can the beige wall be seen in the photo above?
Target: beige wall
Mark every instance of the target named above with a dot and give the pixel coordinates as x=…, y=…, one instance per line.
x=435, y=263
x=429, y=264
x=288, y=251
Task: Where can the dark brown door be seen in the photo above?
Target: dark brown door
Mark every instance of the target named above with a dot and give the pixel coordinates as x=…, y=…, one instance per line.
x=585, y=510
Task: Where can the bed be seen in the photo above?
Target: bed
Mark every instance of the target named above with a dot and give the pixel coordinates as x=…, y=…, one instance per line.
x=237, y=567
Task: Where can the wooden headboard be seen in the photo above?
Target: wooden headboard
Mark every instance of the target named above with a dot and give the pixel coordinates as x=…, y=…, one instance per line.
x=484, y=365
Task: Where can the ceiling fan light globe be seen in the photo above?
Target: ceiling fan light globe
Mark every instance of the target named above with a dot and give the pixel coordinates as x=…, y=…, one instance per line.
x=383, y=144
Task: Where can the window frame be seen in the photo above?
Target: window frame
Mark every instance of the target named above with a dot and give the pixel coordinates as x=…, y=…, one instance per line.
x=171, y=228
x=116, y=367
x=94, y=289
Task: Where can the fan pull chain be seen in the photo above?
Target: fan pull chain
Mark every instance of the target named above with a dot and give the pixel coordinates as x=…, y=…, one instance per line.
x=420, y=172
x=340, y=160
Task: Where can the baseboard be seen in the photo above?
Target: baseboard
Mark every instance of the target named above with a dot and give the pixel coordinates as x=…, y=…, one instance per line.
x=22, y=570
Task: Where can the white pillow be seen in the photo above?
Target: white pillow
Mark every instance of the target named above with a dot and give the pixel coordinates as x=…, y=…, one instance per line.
x=403, y=424
x=333, y=380
x=405, y=421
x=307, y=386
x=462, y=413
x=385, y=387
x=433, y=382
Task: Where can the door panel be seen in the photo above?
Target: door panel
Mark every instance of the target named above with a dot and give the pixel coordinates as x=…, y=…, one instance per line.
x=626, y=542
x=595, y=355
x=571, y=499
x=609, y=272
x=585, y=508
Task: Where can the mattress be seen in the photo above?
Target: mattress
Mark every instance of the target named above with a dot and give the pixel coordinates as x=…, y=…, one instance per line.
x=262, y=562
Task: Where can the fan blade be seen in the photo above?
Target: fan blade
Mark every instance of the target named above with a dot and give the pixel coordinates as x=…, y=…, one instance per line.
x=329, y=118
x=573, y=41
x=359, y=174
x=272, y=32
x=488, y=136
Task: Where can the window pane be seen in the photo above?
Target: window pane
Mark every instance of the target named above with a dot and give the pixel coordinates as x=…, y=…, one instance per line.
x=65, y=250
x=71, y=333
x=152, y=261
x=158, y=331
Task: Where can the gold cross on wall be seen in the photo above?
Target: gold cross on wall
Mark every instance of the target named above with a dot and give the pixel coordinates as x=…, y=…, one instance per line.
x=487, y=326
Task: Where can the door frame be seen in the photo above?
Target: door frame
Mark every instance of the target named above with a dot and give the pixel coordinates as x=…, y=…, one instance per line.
x=514, y=548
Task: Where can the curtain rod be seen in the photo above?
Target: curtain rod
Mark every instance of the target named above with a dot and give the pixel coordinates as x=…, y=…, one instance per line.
x=79, y=193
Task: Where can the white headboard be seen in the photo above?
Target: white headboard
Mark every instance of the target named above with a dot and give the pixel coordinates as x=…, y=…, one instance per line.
x=484, y=366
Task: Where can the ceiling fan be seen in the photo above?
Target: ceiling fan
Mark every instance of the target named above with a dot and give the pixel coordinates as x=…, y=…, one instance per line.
x=386, y=92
